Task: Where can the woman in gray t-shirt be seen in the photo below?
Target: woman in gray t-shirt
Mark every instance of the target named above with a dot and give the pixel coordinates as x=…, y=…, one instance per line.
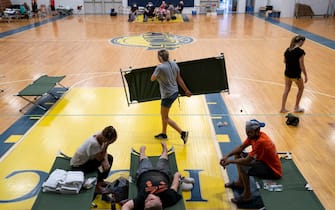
x=168, y=76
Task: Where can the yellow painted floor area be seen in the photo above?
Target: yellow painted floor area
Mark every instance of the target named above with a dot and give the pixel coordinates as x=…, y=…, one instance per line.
x=83, y=111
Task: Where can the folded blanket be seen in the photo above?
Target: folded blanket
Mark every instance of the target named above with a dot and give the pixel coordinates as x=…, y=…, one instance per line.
x=55, y=177
x=66, y=182
x=73, y=178
x=69, y=190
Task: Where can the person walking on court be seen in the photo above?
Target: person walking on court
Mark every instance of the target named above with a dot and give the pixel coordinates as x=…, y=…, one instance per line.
x=262, y=161
x=168, y=76
x=294, y=65
x=92, y=156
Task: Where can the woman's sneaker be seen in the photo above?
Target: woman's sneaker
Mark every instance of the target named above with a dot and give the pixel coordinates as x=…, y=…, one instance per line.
x=184, y=136
x=161, y=136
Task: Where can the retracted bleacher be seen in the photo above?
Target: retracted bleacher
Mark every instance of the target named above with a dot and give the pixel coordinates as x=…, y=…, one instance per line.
x=207, y=75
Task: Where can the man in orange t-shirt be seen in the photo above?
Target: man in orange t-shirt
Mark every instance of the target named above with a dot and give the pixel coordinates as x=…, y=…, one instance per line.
x=262, y=161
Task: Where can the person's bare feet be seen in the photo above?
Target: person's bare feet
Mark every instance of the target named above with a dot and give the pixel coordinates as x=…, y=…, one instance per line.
x=284, y=110
x=240, y=200
x=164, y=148
x=142, y=149
x=100, y=189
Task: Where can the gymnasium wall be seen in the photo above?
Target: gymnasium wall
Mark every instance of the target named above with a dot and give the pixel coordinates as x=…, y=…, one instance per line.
x=285, y=6
x=318, y=6
x=187, y=3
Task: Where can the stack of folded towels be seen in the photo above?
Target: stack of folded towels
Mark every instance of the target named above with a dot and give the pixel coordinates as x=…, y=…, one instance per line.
x=65, y=182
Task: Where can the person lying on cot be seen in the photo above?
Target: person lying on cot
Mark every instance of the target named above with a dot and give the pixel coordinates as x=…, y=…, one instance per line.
x=154, y=189
x=262, y=162
x=92, y=156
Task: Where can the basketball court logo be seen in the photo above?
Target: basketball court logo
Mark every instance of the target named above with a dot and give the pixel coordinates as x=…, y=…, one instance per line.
x=153, y=41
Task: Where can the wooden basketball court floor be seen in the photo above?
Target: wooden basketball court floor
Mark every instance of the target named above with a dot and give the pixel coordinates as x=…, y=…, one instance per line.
x=80, y=48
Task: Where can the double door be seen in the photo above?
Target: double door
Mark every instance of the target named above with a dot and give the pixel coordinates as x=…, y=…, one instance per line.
x=101, y=6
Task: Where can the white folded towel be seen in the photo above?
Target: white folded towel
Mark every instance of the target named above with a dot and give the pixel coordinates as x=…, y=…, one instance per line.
x=61, y=181
x=55, y=177
x=74, y=177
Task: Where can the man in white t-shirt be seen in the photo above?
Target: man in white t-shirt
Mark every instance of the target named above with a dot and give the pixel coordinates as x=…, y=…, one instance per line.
x=92, y=155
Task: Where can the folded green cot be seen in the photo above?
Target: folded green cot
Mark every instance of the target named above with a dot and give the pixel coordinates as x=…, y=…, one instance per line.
x=135, y=163
x=55, y=201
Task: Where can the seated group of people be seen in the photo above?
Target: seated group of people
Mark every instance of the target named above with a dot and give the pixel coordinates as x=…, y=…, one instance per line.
x=17, y=11
x=24, y=10
x=158, y=188
x=92, y=156
x=163, y=12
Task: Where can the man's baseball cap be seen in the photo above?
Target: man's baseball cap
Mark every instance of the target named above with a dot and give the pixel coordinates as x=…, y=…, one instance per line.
x=253, y=125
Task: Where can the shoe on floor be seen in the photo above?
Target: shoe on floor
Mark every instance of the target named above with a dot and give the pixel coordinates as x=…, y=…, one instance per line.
x=184, y=136
x=106, y=197
x=240, y=200
x=161, y=136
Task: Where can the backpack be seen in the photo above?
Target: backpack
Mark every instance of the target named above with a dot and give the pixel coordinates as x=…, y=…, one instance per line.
x=113, y=12
x=119, y=189
x=292, y=120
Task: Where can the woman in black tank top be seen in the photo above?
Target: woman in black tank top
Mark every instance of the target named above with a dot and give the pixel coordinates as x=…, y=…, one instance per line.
x=294, y=65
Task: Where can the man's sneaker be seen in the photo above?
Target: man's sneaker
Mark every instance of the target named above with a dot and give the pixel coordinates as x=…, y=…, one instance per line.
x=161, y=136
x=184, y=136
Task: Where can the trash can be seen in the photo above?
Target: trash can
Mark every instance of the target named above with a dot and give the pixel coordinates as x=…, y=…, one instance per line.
x=219, y=11
x=274, y=14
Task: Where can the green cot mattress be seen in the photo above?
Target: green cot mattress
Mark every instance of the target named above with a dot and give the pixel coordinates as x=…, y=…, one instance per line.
x=294, y=195
x=134, y=164
x=55, y=201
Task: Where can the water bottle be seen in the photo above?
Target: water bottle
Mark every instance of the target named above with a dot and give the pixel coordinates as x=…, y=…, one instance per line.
x=277, y=187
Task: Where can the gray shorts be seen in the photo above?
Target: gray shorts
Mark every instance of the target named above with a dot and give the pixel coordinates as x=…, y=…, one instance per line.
x=162, y=165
